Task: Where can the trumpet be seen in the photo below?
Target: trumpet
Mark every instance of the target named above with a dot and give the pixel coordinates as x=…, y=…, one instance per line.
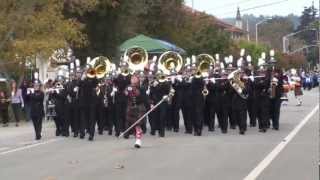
x=57, y=88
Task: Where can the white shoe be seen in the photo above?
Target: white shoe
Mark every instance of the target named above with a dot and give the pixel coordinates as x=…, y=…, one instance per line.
x=138, y=143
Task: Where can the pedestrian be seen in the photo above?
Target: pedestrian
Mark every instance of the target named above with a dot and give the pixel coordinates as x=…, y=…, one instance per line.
x=17, y=102
x=4, y=103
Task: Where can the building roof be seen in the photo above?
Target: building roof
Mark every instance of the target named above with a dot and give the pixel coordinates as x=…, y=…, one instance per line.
x=218, y=22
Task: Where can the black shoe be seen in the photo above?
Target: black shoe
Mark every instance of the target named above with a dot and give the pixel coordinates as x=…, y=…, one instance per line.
x=100, y=132
x=82, y=136
x=176, y=130
x=211, y=129
x=253, y=125
x=110, y=133
x=263, y=130
x=90, y=138
x=58, y=133
x=75, y=135
x=242, y=132
x=126, y=136
x=233, y=127
x=117, y=134
x=188, y=132
x=66, y=134
x=224, y=131
x=275, y=128
x=38, y=137
x=161, y=134
x=153, y=132
x=144, y=131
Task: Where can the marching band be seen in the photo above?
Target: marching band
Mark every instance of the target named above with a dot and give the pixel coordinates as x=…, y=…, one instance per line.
x=122, y=100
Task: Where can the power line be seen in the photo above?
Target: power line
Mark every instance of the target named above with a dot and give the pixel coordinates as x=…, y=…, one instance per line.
x=258, y=7
x=228, y=5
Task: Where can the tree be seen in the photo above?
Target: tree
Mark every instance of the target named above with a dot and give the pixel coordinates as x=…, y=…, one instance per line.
x=308, y=20
x=36, y=28
x=272, y=32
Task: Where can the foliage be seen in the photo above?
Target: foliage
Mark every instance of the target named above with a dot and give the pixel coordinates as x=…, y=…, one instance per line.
x=287, y=61
x=271, y=33
x=255, y=50
x=308, y=20
x=33, y=28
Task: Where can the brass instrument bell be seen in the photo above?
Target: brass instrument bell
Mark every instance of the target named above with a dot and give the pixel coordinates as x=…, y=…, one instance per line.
x=204, y=62
x=137, y=58
x=170, y=62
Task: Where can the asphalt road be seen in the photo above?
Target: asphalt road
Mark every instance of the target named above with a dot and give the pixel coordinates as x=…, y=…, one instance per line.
x=213, y=156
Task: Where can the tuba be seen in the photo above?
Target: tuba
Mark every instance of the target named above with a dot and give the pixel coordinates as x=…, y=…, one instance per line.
x=204, y=65
x=99, y=67
x=137, y=58
x=170, y=62
x=236, y=83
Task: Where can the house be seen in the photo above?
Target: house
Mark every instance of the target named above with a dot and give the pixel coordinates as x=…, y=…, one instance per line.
x=236, y=32
x=48, y=68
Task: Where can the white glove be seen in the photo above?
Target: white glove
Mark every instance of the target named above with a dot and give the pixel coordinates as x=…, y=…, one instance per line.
x=112, y=93
x=213, y=80
x=155, y=83
x=69, y=98
x=76, y=89
x=172, y=80
x=22, y=105
x=148, y=91
x=114, y=89
x=274, y=79
x=251, y=78
x=129, y=88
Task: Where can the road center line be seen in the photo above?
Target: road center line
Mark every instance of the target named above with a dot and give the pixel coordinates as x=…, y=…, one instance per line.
x=29, y=146
x=273, y=154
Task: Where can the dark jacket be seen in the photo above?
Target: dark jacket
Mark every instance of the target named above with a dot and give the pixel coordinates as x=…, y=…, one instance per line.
x=87, y=92
x=36, y=102
x=197, y=98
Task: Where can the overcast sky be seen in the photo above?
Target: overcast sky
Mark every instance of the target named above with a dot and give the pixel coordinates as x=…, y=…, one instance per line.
x=227, y=8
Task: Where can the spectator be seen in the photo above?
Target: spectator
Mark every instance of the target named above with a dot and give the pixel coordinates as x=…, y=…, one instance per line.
x=4, y=103
x=16, y=101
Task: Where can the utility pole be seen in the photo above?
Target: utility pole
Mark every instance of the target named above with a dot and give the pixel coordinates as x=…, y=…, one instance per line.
x=248, y=30
x=319, y=35
x=192, y=5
